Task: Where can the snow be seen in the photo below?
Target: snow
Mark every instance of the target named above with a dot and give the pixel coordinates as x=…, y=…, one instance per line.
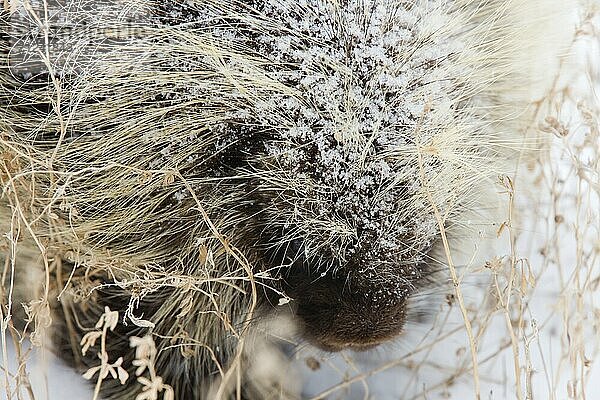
x=50, y=378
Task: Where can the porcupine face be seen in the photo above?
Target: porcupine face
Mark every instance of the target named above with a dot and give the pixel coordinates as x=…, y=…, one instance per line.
x=341, y=208
x=343, y=200
x=329, y=159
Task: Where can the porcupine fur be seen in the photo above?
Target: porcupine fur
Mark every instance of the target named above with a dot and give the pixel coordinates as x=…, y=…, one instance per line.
x=189, y=164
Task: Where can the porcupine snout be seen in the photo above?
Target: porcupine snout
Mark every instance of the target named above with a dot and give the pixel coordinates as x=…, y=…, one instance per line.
x=348, y=232
x=355, y=302
x=339, y=313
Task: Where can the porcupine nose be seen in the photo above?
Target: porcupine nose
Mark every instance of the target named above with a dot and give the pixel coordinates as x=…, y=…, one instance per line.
x=339, y=311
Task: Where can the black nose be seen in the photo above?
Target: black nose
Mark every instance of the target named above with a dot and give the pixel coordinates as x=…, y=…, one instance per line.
x=338, y=311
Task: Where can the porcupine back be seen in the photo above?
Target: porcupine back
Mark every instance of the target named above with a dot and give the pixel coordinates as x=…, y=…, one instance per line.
x=177, y=156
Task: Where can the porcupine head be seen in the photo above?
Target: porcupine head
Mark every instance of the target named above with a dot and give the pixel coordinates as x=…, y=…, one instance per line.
x=396, y=120
x=331, y=143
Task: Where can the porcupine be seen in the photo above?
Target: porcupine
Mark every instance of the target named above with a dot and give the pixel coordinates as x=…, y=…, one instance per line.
x=196, y=162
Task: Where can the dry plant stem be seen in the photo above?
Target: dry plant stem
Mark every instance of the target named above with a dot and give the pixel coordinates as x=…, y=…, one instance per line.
x=529, y=368
x=457, y=374
x=45, y=57
x=451, y=267
x=102, y=351
x=68, y=321
x=22, y=375
x=3, y=334
x=430, y=349
x=236, y=367
x=195, y=343
x=400, y=361
x=581, y=288
x=5, y=356
x=22, y=378
x=352, y=365
x=505, y=304
x=16, y=206
x=9, y=268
